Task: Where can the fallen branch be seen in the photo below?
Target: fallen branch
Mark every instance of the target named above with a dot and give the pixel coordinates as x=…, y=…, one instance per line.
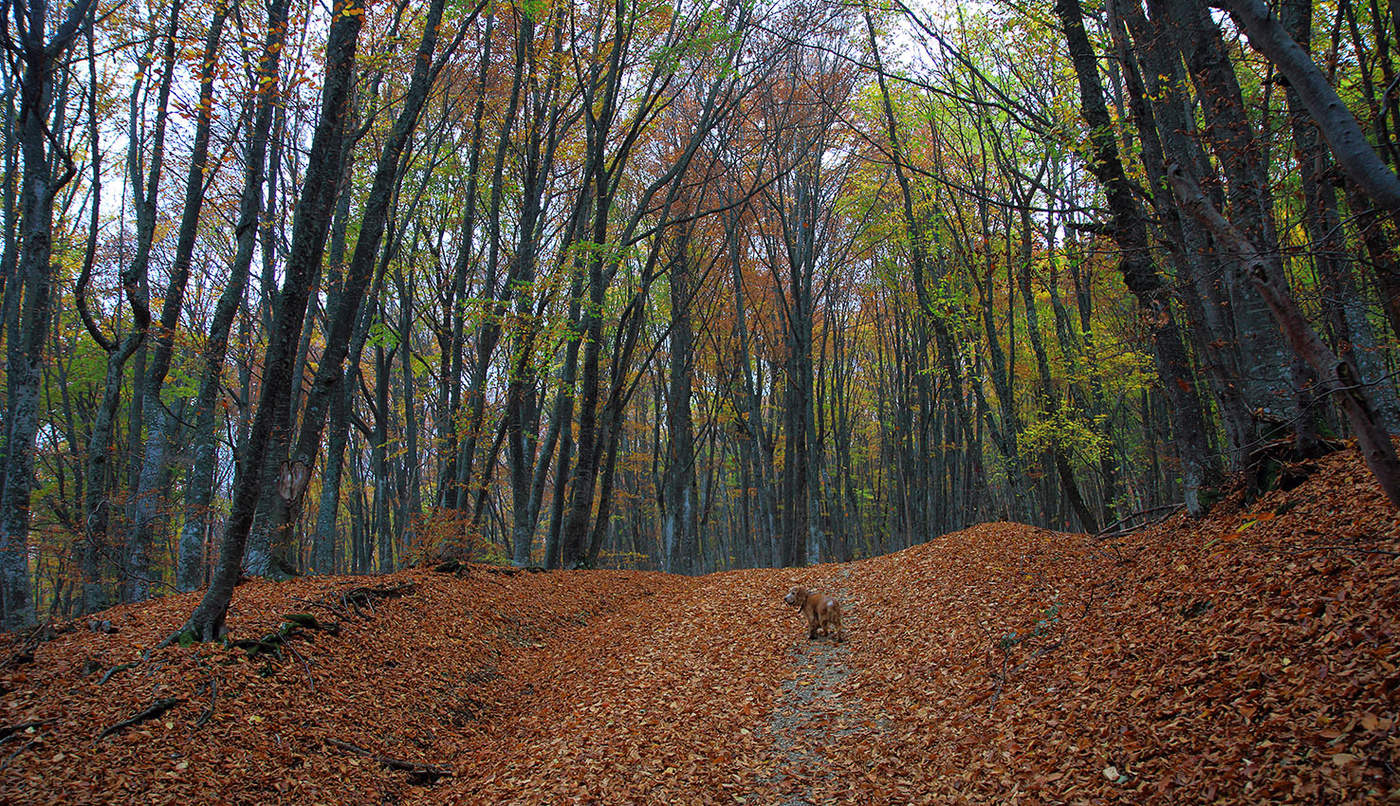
x=154, y=710
x=292, y=627
x=1151, y=516
x=367, y=595
x=1337, y=547
x=418, y=774
x=120, y=667
x=1005, y=675
x=213, y=687
x=511, y=570
x=507, y=570
x=15, y=754
x=9, y=732
x=324, y=603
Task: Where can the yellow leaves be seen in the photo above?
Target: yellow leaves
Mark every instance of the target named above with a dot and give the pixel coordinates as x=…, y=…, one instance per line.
x=350, y=8
x=1251, y=521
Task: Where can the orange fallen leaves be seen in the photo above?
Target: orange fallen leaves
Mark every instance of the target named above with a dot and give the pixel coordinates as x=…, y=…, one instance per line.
x=1197, y=661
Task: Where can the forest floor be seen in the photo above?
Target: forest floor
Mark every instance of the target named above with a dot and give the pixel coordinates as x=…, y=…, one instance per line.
x=1247, y=657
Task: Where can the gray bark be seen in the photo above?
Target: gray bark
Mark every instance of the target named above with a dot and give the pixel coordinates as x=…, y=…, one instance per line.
x=39, y=55
x=680, y=519
x=1342, y=300
x=1337, y=375
x=1334, y=120
x=199, y=487
x=311, y=224
x=1198, y=464
x=159, y=427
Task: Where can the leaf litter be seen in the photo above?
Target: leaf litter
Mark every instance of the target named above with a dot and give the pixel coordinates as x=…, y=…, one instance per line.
x=1246, y=657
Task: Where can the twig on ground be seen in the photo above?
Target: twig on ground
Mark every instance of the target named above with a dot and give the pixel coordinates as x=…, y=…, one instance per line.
x=27, y=642
x=213, y=686
x=10, y=732
x=309, y=679
x=1150, y=516
x=151, y=712
x=1339, y=547
x=417, y=773
x=15, y=754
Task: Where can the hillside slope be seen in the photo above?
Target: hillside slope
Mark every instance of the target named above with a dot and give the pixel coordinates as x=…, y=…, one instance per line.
x=1247, y=657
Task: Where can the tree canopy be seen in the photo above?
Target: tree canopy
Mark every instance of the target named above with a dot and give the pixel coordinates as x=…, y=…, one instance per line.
x=295, y=288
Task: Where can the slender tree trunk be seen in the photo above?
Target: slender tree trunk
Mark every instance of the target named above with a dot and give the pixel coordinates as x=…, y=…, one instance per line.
x=311, y=224
x=160, y=428
x=680, y=523
x=1268, y=383
x=1209, y=319
x=450, y=492
x=39, y=55
x=1335, y=121
x=1199, y=465
x=368, y=245
x=199, y=492
x=1345, y=306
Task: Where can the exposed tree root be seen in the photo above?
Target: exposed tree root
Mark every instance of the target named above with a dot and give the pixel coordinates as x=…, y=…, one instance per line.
x=9, y=732
x=418, y=774
x=151, y=712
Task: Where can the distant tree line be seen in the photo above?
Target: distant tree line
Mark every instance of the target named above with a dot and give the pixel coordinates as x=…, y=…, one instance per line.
x=291, y=288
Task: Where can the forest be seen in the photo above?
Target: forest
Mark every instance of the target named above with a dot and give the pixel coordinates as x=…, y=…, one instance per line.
x=678, y=285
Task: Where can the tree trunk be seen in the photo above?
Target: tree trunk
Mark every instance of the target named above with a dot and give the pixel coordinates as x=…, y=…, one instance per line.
x=1334, y=120
x=388, y=174
x=1336, y=375
x=199, y=491
x=160, y=428
x=39, y=56
x=1163, y=126
x=1268, y=383
x=308, y=242
x=1345, y=306
x=1199, y=465
x=680, y=524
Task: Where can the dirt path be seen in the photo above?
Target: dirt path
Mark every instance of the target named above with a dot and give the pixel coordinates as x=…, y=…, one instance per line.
x=707, y=692
x=816, y=710
x=667, y=701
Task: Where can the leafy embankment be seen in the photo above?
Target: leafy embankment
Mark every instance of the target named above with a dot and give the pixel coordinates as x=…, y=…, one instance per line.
x=1248, y=657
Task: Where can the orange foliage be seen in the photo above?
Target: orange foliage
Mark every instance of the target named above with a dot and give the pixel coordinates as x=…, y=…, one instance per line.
x=1000, y=663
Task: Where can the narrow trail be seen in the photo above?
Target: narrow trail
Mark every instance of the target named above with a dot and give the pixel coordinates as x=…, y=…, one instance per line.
x=1244, y=658
x=815, y=709
x=662, y=700
x=709, y=686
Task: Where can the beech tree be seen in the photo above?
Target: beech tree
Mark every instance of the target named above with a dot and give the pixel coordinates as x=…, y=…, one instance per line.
x=308, y=243
x=670, y=285
x=29, y=286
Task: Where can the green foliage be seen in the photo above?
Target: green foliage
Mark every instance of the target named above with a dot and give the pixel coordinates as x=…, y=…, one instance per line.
x=1071, y=431
x=1050, y=617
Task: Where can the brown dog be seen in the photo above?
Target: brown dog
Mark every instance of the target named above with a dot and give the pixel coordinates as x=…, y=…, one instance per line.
x=823, y=612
